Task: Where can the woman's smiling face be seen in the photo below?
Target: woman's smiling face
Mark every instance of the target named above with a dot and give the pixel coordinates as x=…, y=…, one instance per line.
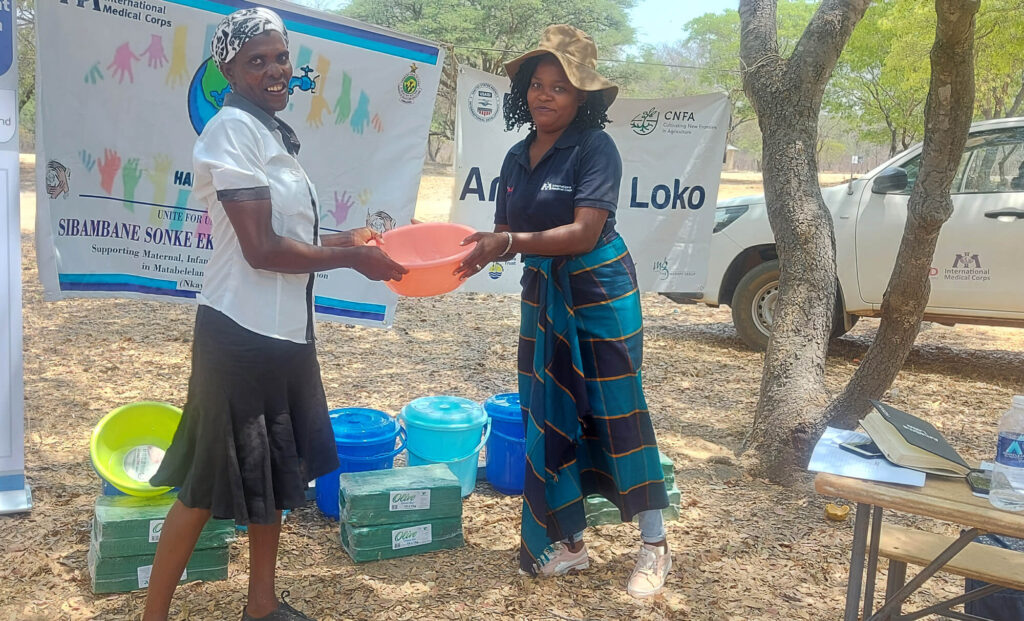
x=551, y=97
x=260, y=71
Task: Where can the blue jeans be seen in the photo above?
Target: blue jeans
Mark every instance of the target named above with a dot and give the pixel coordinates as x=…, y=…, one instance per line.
x=652, y=527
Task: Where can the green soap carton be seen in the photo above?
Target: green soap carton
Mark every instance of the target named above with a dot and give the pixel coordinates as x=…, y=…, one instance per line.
x=399, y=495
x=131, y=526
x=371, y=543
x=601, y=511
x=107, y=567
x=668, y=468
x=128, y=573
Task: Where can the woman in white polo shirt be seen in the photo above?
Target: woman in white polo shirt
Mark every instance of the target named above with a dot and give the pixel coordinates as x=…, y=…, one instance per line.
x=255, y=428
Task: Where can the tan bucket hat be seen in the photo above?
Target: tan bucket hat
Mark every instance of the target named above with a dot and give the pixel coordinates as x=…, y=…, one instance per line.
x=577, y=53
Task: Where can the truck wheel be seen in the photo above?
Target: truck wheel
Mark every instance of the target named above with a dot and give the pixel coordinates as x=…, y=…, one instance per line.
x=838, y=325
x=753, y=304
x=753, y=307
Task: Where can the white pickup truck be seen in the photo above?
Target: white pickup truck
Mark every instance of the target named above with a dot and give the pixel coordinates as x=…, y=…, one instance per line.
x=977, y=273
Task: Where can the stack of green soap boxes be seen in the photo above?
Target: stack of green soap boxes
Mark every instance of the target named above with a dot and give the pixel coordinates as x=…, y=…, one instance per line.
x=400, y=512
x=600, y=511
x=125, y=531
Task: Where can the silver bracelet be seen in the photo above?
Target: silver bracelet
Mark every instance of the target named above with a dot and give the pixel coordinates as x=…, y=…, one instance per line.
x=509, y=246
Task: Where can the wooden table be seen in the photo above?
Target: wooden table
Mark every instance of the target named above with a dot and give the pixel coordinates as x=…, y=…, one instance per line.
x=942, y=498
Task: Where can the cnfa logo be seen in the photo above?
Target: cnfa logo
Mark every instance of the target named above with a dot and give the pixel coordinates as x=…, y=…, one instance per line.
x=484, y=103
x=410, y=87
x=967, y=260
x=645, y=122
x=495, y=272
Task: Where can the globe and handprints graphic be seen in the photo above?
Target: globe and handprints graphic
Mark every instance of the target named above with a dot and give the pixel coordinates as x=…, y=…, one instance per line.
x=206, y=94
x=208, y=88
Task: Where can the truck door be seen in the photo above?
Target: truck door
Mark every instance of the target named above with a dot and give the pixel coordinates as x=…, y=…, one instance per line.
x=979, y=257
x=980, y=251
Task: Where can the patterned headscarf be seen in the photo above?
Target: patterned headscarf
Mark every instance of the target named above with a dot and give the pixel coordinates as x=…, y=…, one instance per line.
x=236, y=29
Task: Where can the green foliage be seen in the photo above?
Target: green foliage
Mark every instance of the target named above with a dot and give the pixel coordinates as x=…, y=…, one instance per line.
x=475, y=26
x=881, y=82
x=713, y=43
x=999, y=59
x=26, y=47
x=485, y=33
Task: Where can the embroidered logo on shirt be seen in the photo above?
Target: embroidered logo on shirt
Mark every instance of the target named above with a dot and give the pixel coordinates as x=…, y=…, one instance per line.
x=555, y=187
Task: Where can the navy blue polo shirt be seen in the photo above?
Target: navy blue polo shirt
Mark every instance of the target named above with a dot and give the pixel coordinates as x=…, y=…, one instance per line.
x=582, y=169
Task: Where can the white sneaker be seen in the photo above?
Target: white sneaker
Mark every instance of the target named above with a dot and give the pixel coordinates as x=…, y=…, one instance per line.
x=558, y=560
x=652, y=567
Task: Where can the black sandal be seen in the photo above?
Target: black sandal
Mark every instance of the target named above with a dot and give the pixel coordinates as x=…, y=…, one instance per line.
x=284, y=612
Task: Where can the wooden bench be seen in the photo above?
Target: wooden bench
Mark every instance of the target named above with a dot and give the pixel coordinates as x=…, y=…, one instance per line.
x=977, y=560
x=903, y=546
x=942, y=498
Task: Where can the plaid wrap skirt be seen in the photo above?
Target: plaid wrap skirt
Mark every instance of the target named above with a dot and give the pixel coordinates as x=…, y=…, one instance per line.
x=588, y=430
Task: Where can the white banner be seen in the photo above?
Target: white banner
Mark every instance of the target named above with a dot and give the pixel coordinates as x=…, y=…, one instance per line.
x=126, y=85
x=672, y=152
x=14, y=491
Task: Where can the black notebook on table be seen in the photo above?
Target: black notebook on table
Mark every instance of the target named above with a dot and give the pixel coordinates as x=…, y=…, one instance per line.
x=909, y=441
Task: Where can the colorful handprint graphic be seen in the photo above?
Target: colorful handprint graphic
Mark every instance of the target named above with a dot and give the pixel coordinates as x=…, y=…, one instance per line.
x=155, y=52
x=342, y=205
x=109, y=165
x=130, y=176
x=88, y=161
x=343, y=106
x=158, y=175
x=122, y=63
x=177, y=74
x=94, y=74
x=378, y=125
x=318, y=106
x=361, y=117
x=183, y=195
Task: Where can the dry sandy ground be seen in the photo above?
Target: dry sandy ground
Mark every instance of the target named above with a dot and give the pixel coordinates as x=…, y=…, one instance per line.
x=744, y=549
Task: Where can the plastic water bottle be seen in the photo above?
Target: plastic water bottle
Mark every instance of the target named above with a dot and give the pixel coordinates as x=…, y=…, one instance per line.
x=1007, y=490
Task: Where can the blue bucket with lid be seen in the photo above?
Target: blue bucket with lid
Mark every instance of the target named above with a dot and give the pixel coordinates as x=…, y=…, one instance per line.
x=447, y=430
x=506, y=448
x=365, y=440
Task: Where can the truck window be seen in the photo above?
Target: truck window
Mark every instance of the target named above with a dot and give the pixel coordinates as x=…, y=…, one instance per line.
x=992, y=161
x=996, y=163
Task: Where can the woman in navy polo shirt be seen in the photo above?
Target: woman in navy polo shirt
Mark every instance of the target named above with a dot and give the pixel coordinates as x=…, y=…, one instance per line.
x=581, y=336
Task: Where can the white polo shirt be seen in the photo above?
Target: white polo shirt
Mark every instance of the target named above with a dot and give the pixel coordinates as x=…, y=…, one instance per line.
x=246, y=154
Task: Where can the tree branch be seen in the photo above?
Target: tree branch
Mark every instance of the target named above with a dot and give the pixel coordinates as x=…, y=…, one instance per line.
x=948, y=112
x=759, y=42
x=823, y=40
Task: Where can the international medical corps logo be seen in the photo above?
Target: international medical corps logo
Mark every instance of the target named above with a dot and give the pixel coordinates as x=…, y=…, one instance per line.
x=645, y=122
x=967, y=266
x=967, y=260
x=484, y=103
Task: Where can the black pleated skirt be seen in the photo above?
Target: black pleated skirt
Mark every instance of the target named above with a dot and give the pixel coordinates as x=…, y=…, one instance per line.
x=254, y=430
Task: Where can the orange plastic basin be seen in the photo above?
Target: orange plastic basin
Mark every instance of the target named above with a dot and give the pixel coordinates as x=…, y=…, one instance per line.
x=431, y=252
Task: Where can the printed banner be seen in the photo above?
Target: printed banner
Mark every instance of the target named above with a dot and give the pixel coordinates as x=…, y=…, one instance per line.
x=672, y=152
x=15, y=495
x=125, y=86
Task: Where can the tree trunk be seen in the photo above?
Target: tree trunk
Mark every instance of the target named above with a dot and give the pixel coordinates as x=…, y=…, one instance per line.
x=786, y=94
x=947, y=120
